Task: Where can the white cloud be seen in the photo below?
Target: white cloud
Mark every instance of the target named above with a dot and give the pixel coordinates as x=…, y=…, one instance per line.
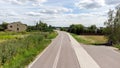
x=96, y=4
x=90, y=4
x=55, y=10
x=41, y=1
x=49, y=10
x=33, y=14
x=8, y=12
x=112, y=2
x=21, y=2
x=34, y=10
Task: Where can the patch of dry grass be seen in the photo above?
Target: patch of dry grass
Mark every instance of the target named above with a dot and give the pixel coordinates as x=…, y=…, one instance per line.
x=90, y=39
x=94, y=39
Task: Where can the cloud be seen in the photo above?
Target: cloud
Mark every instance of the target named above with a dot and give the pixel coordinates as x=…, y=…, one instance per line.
x=21, y=2
x=41, y=1
x=90, y=4
x=49, y=10
x=55, y=10
x=62, y=13
x=8, y=12
x=112, y=2
x=95, y=4
x=33, y=14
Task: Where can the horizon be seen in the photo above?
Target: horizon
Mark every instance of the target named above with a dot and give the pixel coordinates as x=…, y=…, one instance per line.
x=57, y=13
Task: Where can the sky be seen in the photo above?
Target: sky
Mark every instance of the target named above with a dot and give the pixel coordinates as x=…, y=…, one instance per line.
x=57, y=12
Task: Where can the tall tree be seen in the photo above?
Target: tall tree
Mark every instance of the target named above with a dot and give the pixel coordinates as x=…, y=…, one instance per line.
x=113, y=26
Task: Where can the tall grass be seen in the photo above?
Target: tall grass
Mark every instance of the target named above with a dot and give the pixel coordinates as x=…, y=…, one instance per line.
x=18, y=53
x=11, y=35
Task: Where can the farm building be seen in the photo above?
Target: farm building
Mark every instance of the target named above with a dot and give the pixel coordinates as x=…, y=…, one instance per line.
x=16, y=27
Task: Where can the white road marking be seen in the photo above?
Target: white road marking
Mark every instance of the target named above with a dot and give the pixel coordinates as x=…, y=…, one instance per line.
x=58, y=54
x=31, y=64
x=84, y=59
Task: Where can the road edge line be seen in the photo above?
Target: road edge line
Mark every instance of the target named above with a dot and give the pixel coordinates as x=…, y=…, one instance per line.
x=82, y=62
x=39, y=55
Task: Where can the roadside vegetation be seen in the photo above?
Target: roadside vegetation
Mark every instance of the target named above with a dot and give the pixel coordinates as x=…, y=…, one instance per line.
x=5, y=36
x=18, y=49
x=20, y=52
x=113, y=27
x=91, y=39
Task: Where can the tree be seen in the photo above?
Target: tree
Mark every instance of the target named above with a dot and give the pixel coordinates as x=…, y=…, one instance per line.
x=77, y=29
x=113, y=26
x=92, y=29
x=3, y=26
x=40, y=26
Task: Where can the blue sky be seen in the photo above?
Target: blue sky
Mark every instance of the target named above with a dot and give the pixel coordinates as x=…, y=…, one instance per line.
x=57, y=12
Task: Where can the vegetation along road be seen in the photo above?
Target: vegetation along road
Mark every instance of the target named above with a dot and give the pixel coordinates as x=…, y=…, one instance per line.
x=66, y=52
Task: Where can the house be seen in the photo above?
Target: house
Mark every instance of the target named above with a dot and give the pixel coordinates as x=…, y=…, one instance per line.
x=16, y=27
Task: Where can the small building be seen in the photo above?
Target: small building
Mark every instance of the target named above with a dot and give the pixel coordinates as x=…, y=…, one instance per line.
x=16, y=27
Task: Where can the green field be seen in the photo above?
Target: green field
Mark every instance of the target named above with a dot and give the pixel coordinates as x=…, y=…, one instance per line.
x=90, y=39
x=19, y=52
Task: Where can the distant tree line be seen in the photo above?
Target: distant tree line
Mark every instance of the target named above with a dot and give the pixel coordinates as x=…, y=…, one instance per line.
x=82, y=30
x=40, y=26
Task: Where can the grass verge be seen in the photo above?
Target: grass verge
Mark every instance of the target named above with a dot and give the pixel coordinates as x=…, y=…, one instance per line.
x=90, y=39
x=20, y=52
x=117, y=46
x=93, y=40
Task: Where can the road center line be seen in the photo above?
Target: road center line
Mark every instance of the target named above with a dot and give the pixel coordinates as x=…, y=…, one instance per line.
x=58, y=54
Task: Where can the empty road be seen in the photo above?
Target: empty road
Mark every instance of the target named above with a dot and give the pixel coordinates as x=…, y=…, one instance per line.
x=66, y=52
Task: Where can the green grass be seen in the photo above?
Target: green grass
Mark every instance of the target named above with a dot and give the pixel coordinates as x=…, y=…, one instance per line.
x=4, y=36
x=117, y=46
x=90, y=39
x=18, y=53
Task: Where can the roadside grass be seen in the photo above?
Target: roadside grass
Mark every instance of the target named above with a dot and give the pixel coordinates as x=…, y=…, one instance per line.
x=4, y=36
x=117, y=46
x=90, y=39
x=18, y=53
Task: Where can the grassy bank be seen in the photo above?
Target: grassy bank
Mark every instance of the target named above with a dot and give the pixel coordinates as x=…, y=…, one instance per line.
x=18, y=53
x=90, y=39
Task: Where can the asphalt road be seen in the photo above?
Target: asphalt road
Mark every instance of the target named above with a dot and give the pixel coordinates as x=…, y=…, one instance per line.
x=66, y=52
x=105, y=56
x=59, y=54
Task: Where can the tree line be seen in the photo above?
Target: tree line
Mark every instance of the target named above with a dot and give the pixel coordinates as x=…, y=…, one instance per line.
x=40, y=26
x=82, y=30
